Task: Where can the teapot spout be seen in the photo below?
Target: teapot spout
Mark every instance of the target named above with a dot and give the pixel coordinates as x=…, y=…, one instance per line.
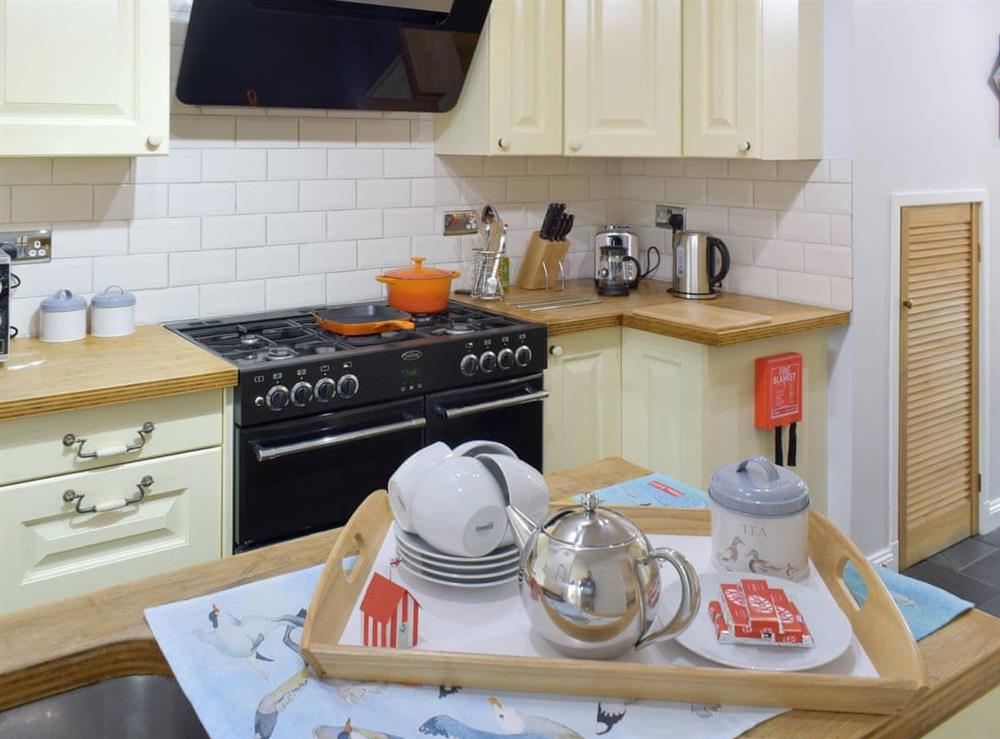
x=521, y=526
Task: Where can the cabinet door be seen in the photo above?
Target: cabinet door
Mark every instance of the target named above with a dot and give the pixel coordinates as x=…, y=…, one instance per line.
x=526, y=77
x=84, y=77
x=662, y=404
x=722, y=78
x=623, y=78
x=583, y=412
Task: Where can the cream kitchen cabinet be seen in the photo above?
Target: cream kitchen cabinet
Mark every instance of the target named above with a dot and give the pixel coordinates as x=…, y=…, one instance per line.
x=512, y=99
x=84, y=77
x=687, y=408
x=753, y=79
x=582, y=416
x=623, y=78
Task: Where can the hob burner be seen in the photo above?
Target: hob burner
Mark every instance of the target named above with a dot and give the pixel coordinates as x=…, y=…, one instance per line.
x=276, y=353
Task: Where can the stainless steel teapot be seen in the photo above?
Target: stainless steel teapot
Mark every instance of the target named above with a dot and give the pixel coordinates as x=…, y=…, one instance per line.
x=590, y=581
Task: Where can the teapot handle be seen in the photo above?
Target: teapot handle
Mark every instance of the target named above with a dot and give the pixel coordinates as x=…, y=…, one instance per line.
x=690, y=597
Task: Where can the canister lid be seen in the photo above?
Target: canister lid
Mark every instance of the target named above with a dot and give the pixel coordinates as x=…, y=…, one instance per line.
x=113, y=297
x=757, y=487
x=62, y=301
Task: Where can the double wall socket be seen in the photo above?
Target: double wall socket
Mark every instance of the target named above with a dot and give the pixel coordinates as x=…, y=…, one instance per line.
x=664, y=213
x=460, y=222
x=27, y=246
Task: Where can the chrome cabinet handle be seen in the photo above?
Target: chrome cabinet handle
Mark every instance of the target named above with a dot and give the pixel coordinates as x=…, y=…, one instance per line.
x=490, y=405
x=110, y=451
x=109, y=505
x=264, y=453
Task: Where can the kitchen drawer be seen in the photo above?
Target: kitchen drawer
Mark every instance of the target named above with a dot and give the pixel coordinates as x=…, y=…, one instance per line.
x=32, y=447
x=49, y=551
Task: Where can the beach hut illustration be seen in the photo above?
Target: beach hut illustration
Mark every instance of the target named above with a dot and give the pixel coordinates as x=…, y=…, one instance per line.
x=391, y=615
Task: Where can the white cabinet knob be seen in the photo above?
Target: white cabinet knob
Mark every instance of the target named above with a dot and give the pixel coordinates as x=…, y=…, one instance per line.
x=575, y=144
x=744, y=146
x=154, y=140
x=504, y=144
x=555, y=350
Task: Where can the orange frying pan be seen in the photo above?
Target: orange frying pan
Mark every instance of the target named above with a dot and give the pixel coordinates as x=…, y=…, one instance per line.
x=362, y=320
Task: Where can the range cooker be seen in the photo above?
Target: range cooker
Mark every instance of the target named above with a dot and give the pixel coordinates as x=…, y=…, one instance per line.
x=323, y=419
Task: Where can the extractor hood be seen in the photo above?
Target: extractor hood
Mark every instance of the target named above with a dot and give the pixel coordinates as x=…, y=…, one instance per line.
x=409, y=55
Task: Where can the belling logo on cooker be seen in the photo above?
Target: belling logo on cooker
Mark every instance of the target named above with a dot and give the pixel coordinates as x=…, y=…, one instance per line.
x=412, y=356
x=484, y=528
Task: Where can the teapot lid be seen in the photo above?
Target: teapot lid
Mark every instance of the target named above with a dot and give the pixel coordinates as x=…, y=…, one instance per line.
x=590, y=525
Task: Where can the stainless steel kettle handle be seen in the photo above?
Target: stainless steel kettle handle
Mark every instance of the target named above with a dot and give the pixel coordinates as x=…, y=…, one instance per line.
x=690, y=597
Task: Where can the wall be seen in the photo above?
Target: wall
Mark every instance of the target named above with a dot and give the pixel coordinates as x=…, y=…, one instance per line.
x=924, y=120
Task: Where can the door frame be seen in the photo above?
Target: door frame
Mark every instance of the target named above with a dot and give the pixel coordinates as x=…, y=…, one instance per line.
x=898, y=202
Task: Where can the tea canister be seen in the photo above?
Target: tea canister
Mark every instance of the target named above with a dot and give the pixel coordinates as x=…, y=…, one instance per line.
x=112, y=313
x=62, y=317
x=760, y=519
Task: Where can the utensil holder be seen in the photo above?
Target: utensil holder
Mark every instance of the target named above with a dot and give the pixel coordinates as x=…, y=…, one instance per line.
x=543, y=265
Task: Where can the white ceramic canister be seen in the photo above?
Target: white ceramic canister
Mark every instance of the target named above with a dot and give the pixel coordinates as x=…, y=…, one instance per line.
x=63, y=317
x=760, y=519
x=112, y=313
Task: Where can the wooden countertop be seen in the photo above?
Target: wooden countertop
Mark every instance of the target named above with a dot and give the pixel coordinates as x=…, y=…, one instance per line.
x=152, y=362
x=74, y=642
x=786, y=318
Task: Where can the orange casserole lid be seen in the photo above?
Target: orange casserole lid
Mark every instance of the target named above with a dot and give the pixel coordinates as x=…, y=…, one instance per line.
x=419, y=272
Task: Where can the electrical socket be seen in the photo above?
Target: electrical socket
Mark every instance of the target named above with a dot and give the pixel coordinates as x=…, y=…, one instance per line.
x=460, y=222
x=663, y=213
x=28, y=246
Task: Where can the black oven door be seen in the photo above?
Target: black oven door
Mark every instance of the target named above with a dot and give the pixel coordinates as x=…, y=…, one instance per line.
x=304, y=475
x=509, y=411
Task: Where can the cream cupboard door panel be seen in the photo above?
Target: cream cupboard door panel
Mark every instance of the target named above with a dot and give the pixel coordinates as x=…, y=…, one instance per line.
x=583, y=413
x=662, y=404
x=623, y=77
x=48, y=551
x=722, y=78
x=526, y=76
x=84, y=77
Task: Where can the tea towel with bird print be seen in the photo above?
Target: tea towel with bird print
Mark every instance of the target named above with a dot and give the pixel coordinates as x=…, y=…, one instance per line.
x=236, y=656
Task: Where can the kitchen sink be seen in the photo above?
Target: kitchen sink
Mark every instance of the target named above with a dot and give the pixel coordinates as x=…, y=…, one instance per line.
x=146, y=706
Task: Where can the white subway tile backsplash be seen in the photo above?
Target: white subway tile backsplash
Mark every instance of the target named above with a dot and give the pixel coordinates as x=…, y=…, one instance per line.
x=17, y=171
x=805, y=170
x=802, y=287
x=233, y=165
x=680, y=191
x=182, y=165
x=90, y=170
x=840, y=293
x=663, y=167
x=751, y=222
x=349, y=287
x=202, y=131
x=130, y=201
x=752, y=169
x=799, y=226
x=46, y=277
x=226, y=232
x=203, y=199
x=384, y=252
x=714, y=219
x=345, y=225
x=437, y=249
x=840, y=230
x=540, y=165
x=422, y=191
x=505, y=166
x=327, y=132
x=642, y=187
x=327, y=194
x=478, y=190
x=705, y=168
x=778, y=254
x=740, y=247
x=4, y=203
x=267, y=261
x=841, y=170
x=294, y=292
x=571, y=187
x=383, y=193
x=90, y=238
x=422, y=133
x=527, y=189
x=586, y=165
x=408, y=221
x=329, y=256
x=459, y=166
x=753, y=281
x=56, y=203
x=270, y=133
x=266, y=197
x=152, y=235
x=828, y=197
x=173, y=304
x=730, y=192
x=296, y=164
x=828, y=260
x=135, y=272
x=296, y=228
x=408, y=162
x=202, y=267
x=383, y=133
x=354, y=163
x=602, y=187
x=778, y=195
x=232, y=298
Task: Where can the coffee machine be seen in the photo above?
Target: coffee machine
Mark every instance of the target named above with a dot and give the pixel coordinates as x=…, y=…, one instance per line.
x=625, y=238
x=618, y=272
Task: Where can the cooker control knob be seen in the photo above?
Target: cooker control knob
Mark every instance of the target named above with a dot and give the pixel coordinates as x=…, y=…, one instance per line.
x=523, y=356
x=505, y=358
x=302, y=393
x=277, y=398
x=469, y=365
x=347, y=386
x=325, y=390
x=488, y=362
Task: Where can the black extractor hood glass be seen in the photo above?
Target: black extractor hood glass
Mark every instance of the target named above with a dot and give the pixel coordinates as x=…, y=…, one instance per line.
x=369, y=54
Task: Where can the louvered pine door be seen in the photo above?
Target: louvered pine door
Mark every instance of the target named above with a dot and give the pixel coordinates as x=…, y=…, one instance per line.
x=938, y=383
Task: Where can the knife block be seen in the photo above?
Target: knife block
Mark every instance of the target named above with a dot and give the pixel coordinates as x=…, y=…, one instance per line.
x=542, y=257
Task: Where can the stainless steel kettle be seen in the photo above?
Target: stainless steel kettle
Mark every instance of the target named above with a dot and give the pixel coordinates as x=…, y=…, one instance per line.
x=696, y=274
x=590, y=581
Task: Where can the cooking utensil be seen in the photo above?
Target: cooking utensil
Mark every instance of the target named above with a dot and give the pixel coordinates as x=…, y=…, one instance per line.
x=492, y=288
x=419, y=289
x=552, y=214
x=600, y=601
x=362, y=320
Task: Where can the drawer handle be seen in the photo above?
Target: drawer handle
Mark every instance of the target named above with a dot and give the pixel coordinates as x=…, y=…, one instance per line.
x=109, y=505
x=110, y=451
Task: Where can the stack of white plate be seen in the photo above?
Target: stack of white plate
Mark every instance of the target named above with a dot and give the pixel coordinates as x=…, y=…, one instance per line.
x=427, y=563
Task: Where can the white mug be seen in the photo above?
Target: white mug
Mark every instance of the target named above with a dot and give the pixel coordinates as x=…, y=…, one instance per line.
x=524, y=485
x=405, y=480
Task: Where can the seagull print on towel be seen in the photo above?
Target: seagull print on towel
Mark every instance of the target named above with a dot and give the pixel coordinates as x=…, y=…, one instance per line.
x=513, y=722
x=451, y=728
x=349, y=732
x=241, y=638
x=609, y=714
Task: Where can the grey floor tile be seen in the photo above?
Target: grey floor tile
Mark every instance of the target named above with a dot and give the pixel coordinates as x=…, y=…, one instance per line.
x=991, y=538
x=985, y=570
x=992, y=607
x=955, y=583
x=964, y=553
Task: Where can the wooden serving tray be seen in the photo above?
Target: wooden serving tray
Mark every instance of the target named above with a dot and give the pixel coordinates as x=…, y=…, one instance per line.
x=878, y=625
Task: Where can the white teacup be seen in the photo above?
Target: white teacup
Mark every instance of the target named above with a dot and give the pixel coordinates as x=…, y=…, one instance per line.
x=482, y=446
x=406, y=479
x=459, y=508
x=522, y=485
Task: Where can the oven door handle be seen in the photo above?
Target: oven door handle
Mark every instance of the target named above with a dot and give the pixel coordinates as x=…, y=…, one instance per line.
x=490, y=405
x=265, y=453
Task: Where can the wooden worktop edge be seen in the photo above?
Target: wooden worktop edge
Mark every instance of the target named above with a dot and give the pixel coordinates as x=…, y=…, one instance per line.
x=733, y=336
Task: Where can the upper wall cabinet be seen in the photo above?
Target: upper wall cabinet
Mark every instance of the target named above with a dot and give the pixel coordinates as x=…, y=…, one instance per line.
x=512, y=99
x=623, y=78
x=753, y=79
x=84, y=77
